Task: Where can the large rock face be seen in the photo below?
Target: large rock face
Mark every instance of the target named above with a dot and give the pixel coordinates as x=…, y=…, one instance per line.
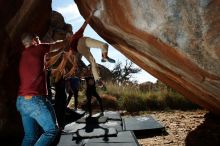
x=178, y=42
x=17, y=16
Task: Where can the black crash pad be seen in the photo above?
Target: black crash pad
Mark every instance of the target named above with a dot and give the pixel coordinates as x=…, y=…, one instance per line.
x=72, y=128
x=66, y=140
x=73, y=115
x=124, y=138
x=114, y=124
x=96, y=132
x=141, y=124
x=92, y=120
x=113, y=115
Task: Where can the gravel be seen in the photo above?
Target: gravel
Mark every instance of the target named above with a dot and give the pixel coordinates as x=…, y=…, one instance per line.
x=185, y=128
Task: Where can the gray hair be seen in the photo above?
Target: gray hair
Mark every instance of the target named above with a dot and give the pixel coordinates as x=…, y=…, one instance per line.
x=27, y=37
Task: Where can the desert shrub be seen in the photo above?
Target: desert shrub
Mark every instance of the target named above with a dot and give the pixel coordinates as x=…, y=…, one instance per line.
x=132, y=104
x=155, y=101
x=133, y=99
x=109, y=101
x=175, y=100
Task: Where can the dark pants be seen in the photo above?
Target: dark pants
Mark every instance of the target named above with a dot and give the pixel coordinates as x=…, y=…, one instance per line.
x=89, y=94
x=60, y=102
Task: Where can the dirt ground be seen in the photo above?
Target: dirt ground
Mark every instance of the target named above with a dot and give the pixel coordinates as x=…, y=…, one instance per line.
x=185, y=128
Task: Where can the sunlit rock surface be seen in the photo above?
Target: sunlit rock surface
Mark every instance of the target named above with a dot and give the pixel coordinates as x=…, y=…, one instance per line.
x=178, y=42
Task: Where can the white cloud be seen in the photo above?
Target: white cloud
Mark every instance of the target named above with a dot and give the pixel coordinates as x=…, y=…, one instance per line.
x=70, y=12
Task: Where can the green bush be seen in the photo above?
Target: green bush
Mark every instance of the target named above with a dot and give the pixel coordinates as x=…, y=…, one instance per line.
x=155, y=101
x=177, y=101
x=133, y=99
x=132, y=104
x=109, y=102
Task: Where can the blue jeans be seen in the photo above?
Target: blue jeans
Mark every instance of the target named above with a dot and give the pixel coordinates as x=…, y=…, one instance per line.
x=37, y=116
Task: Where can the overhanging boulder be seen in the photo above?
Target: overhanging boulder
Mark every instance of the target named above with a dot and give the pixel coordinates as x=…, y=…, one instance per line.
x=176, y=41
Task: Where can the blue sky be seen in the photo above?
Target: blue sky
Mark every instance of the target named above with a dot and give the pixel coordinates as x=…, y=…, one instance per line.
x=72, y=16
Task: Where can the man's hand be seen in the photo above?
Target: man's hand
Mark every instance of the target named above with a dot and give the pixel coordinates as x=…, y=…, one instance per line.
x=90, y=16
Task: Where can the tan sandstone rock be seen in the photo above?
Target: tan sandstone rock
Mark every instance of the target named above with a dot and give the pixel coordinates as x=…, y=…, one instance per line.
x=178, y=42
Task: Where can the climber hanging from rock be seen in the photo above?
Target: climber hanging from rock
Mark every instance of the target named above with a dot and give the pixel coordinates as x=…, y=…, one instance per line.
x=80, y=45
